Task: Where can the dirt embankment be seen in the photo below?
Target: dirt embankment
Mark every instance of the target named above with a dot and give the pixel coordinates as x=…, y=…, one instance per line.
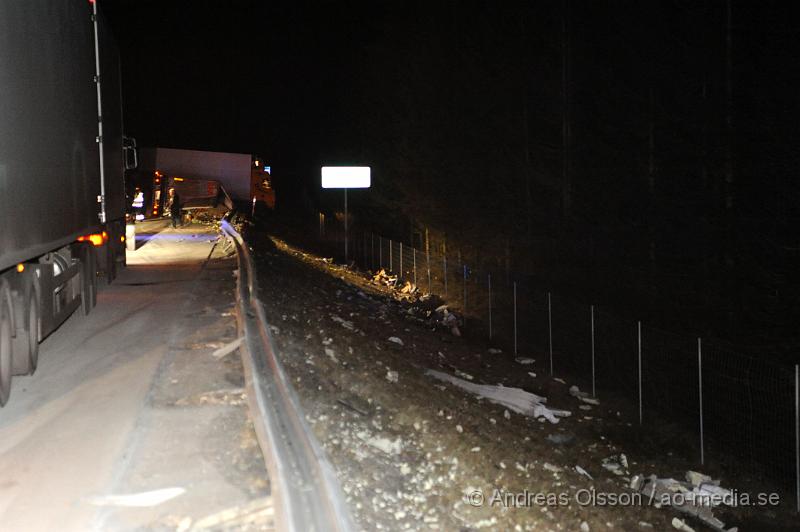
x=414, y=452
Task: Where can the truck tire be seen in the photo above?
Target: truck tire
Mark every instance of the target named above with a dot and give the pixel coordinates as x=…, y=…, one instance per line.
x=6, y=342
x=26, y=344
x=88, y=279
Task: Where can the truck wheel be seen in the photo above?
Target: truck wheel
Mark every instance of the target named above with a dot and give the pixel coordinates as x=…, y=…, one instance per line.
x=5, y=343
x=26, y=345
x=88, y=279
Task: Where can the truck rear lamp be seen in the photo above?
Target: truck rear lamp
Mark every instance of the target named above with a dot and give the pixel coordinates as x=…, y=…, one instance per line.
x=96, y=239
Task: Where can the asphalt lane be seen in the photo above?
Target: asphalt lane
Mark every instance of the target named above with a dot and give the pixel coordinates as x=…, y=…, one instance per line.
x=113, y=431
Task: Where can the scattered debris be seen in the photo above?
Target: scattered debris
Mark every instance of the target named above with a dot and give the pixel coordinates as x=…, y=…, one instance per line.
x=138, y=500
x=574, y=391
x=516, y=399
x=392, y=376
x=408, y=288
x=384, y=445
x=552, y=468
x=525, y=361
x=351, y=406
x=344, y=323
x=255, y=514
x=582, y=471
x=228, y=348
x=617, y=464
x=451, y=321
x=681, y=525
x=226, y=396
x=494, y=351
x=331, y=354
x=463, y=375
x=384, y=279
x=696, y=497
x=395, y=340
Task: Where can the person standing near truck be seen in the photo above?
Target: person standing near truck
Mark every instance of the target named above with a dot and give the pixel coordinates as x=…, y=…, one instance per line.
x=174, y=207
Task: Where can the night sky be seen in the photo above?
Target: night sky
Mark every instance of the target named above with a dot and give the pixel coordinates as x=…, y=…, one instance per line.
x=659, y=155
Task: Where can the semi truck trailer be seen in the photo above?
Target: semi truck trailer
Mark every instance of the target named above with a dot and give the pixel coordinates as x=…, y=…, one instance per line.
x=62, y=164
x=231, y=170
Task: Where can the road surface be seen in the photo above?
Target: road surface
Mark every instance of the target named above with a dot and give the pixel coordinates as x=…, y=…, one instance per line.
x=129, y=421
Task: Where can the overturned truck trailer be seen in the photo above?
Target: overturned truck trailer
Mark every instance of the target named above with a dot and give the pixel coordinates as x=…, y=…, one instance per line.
x=231, y=170
x=62, y=159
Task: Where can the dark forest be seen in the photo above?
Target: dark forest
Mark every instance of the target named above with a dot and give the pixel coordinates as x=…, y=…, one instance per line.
x=637, y=153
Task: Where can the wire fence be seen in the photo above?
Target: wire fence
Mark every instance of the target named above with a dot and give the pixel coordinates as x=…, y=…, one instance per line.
x=737, y=407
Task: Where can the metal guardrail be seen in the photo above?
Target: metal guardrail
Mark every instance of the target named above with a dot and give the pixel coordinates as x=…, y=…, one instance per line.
x=306, y=492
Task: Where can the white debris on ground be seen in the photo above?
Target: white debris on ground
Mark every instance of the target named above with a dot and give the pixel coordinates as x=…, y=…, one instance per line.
x=384, y=279
x=395, y=340
x=583, y=472
x=696, y=497
x=516, y=399
x=617, y=464
x=344, y=323
x=574, y=391
x=137, y=500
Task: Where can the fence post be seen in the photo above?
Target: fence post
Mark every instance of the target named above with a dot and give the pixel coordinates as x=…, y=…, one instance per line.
x=515, y=318
x=380, y=251
x=700, y=397
x=402, y=275
x=490, y=305
x=365, y=250
x=550, y=330
x=414, y=254
x=639, y=334
x=428, y=267
x=797, y=431
x=591, y=317
x=372, y=255
x=391, y=262
x=444, y=269
x=465, y=289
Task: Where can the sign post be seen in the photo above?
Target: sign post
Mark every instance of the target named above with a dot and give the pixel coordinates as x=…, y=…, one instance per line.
x=346, y=177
